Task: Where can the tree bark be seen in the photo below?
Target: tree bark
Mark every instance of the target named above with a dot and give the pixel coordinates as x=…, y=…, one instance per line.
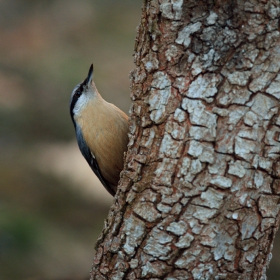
x=199, y=194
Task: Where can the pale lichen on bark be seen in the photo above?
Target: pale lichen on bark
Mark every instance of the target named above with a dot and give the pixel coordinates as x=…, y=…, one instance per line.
x=199, y=195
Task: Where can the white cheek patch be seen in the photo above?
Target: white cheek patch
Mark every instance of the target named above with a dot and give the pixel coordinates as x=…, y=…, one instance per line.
x=80, y=104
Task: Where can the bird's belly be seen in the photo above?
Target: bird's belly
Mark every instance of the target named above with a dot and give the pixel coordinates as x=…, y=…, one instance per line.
x=108, y=154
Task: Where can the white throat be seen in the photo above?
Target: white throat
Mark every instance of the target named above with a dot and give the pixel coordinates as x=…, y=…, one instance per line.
x=81, y=103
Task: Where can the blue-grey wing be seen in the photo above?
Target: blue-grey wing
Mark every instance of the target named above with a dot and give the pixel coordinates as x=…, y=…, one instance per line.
x=91, y=160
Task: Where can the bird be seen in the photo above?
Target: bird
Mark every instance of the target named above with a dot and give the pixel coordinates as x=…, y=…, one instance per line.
x=101, y=131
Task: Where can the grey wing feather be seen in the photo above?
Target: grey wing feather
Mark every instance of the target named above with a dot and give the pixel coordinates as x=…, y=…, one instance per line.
x=90, y=158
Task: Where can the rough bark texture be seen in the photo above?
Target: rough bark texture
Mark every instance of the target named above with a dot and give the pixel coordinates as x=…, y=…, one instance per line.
x=199, y=196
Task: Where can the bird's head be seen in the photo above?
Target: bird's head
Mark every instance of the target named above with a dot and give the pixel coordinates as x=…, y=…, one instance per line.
x=82, y=94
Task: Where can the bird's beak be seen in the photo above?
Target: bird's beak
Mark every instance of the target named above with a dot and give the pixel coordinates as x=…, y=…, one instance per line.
x=89, y=77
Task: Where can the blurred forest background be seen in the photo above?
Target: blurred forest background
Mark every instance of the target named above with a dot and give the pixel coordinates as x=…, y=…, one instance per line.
x=51, y=207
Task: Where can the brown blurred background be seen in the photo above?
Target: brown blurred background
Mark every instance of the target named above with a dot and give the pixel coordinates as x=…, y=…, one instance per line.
x=51, y=207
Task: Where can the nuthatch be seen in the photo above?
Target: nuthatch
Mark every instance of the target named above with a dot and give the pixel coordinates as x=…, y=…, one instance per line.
x=101, y=131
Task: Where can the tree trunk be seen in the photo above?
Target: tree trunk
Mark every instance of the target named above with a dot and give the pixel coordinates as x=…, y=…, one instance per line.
x=199, y=194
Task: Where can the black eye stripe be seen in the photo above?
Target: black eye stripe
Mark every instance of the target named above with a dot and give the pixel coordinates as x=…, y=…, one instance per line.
x=78, y=93
x=75, y=98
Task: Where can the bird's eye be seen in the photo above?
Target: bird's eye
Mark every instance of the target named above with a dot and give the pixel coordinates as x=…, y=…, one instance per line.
x=78, y=93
